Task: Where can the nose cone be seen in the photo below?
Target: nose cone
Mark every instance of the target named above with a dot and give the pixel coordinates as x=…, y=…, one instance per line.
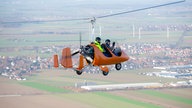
x=124, y=57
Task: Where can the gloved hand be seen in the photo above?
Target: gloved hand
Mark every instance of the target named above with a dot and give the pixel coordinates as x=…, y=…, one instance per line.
x=113, y=43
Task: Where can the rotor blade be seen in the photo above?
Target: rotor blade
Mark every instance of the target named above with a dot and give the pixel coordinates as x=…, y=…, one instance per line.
x=91, y=18
x=80, y=38
x=42, y=21
x=131, y=11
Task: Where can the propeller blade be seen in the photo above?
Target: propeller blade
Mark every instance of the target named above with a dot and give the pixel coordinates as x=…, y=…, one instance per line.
x=75, y=53
x=79, y=46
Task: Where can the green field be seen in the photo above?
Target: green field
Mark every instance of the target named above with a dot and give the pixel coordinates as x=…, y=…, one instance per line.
x=167, y=96
x=107, y=100
x=44, y=87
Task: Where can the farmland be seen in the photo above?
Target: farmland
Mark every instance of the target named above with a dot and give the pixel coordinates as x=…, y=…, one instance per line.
x=52, y=88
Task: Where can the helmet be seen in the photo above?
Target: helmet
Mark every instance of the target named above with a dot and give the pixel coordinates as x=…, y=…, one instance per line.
x=98, y=39
x=107, y=40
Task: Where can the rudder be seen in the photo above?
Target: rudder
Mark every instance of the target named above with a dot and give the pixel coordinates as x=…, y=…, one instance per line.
x=55, y=59
x=66, y=60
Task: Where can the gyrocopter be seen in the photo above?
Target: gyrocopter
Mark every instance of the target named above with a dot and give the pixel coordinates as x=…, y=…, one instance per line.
x=91, y=55
x=91, y=51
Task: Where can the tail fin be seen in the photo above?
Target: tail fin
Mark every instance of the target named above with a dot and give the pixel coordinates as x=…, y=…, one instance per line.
x=55, y=59
x=66, y=60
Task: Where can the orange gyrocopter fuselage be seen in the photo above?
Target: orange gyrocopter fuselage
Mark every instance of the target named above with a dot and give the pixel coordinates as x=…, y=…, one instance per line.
x=99, y=58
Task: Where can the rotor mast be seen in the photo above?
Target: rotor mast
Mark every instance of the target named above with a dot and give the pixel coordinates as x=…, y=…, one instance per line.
x=92, y=36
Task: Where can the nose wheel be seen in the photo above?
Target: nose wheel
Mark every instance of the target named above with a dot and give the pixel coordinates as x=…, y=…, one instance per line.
x=105, y=73
x=105, y=70
x=79, y=72
x=118, y=66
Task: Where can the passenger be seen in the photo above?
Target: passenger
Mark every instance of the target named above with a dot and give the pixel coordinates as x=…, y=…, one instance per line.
x=107, y=43
x=116, y=51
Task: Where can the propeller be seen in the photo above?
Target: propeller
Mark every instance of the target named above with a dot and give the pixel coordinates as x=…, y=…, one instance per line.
x=81, y=47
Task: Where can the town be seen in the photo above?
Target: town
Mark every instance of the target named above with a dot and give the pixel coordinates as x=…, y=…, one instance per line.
x=143, y=55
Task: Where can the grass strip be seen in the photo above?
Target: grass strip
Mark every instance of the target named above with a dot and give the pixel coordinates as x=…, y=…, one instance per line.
x=45, y=87
x=167, y=96
x=123, y=99
x=98, y=101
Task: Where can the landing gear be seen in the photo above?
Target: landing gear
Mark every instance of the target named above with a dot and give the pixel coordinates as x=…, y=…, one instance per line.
x=79, y=72
x=105, y=70
x=118, y=66
x=105, y=73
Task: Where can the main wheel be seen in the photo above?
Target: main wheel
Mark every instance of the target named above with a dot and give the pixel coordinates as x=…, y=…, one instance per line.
x=105, y=73
x=118, y=66
x=79, y=72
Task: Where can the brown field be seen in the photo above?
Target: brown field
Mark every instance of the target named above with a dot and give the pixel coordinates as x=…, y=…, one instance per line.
x=14, y=94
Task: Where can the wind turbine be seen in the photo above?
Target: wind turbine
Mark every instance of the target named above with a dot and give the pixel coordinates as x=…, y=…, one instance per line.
x=133, y=30
x=167, y=32
x=140, y=28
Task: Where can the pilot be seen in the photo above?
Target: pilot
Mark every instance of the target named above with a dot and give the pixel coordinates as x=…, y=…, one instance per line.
x=98, y=43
